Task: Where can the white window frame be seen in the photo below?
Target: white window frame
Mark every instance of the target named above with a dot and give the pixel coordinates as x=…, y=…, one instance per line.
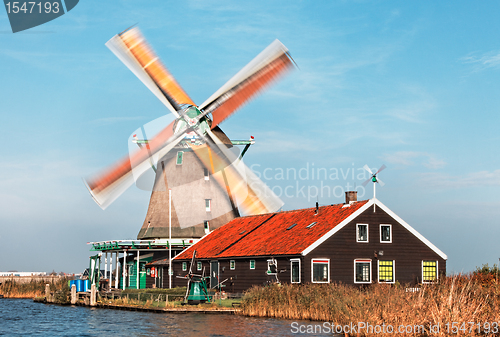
x=199, y=266
x=367, y=232
x=437, y=271
x=209, y=207
x=184, y=266
x=370, y=272
x=318, y=260
x=390, y=233
x=393, y=272
x=291, y=270
x=251, y=264
x=232, y=264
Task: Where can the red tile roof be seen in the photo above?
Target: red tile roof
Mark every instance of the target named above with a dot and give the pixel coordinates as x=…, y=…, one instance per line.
x=267, y=234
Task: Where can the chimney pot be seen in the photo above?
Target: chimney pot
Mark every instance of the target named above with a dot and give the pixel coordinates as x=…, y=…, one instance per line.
x=351, y=196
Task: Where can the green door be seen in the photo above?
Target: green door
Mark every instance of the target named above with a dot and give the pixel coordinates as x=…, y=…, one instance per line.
x=142, y=275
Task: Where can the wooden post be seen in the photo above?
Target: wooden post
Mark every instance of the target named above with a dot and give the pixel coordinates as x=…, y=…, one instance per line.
x=47, y=293
x=105, y=265
x=138, y=267
x=117, y=279
x=110, y=270
x=124, y=268
x=169, y=238
x=93, y=295
x=73, y=294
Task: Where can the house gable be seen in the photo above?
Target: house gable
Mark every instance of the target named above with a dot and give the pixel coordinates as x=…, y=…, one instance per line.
x=363, y=209
x=406, y=250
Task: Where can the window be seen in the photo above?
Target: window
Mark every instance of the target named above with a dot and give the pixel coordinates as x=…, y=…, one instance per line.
x=184, y=266
x=429, y=271
x=385, y=233
x=295, y=267
x=320, y=271
x=386, y=271
x=198, y=266
x=361, y=233
x=311, y=224
x=179, y=158
x=272, y=267
x=208, y=205
x=232, y=265
x=206, y=224
x=291, y=226
x=206, y=174
x=362, y=271
x=252, y=264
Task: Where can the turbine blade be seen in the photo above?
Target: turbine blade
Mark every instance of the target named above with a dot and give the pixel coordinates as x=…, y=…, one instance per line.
x=380, y=182
x=255, y=197
x=271, y=63
x=116, y=45
x=383, y=167
x=368, y=169
x=366, y=181
x=109, y=185
x=151, y=64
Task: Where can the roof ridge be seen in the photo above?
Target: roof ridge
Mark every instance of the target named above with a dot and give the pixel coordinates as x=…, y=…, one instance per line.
x=296, y=210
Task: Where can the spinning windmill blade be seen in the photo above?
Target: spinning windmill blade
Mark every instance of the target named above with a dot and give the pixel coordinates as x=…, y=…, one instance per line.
x=132, y=49
x=374, y=177
x=242, y=185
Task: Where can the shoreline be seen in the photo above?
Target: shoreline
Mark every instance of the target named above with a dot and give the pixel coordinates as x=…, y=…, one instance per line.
x=177, y=310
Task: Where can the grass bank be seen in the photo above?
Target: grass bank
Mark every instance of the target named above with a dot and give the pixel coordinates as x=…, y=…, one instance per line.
x=12, y=289
x=461, y=299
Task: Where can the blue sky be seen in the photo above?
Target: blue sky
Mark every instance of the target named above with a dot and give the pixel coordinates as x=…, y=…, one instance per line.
x=412, y=85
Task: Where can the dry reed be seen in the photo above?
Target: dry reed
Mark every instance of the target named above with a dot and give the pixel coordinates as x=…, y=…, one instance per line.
x=13, y=289
x=461, y=299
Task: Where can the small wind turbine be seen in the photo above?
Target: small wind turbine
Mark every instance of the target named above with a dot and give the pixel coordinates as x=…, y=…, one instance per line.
x=374, y=178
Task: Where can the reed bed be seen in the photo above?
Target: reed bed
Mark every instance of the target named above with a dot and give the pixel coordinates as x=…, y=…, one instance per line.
x=462, y=299
x=35, y=288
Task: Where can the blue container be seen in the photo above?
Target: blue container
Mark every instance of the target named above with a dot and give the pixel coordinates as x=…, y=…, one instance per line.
x=71, y=282
x=86, y=285
x=79, y=285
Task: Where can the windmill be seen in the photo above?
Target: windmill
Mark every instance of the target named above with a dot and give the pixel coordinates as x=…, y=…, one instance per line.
x=191, y=144
x=196, y=289
x=374, y=179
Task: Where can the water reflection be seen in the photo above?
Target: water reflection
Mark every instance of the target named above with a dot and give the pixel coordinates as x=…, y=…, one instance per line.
x=24, y=317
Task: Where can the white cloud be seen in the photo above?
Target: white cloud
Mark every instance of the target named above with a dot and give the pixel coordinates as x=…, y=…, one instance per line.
x=473, y=179
x=481, y=62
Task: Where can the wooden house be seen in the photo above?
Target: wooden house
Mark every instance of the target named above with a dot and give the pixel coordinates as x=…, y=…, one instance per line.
x=358, y=242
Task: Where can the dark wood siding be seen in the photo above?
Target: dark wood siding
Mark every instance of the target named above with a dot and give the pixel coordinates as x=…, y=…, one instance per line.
x=342, y=249
x=242, y=277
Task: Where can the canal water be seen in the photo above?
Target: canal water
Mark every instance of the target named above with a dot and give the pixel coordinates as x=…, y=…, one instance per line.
x=23, y=317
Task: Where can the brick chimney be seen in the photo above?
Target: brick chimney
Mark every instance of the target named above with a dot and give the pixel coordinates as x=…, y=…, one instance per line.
x=351, y=196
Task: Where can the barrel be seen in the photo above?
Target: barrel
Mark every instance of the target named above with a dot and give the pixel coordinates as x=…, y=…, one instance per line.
x=86, y=285
x=79, y=285
x=71, y=282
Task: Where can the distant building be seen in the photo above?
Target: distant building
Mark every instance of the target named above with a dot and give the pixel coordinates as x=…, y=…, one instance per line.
x=23, y=273
x=358, y=242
